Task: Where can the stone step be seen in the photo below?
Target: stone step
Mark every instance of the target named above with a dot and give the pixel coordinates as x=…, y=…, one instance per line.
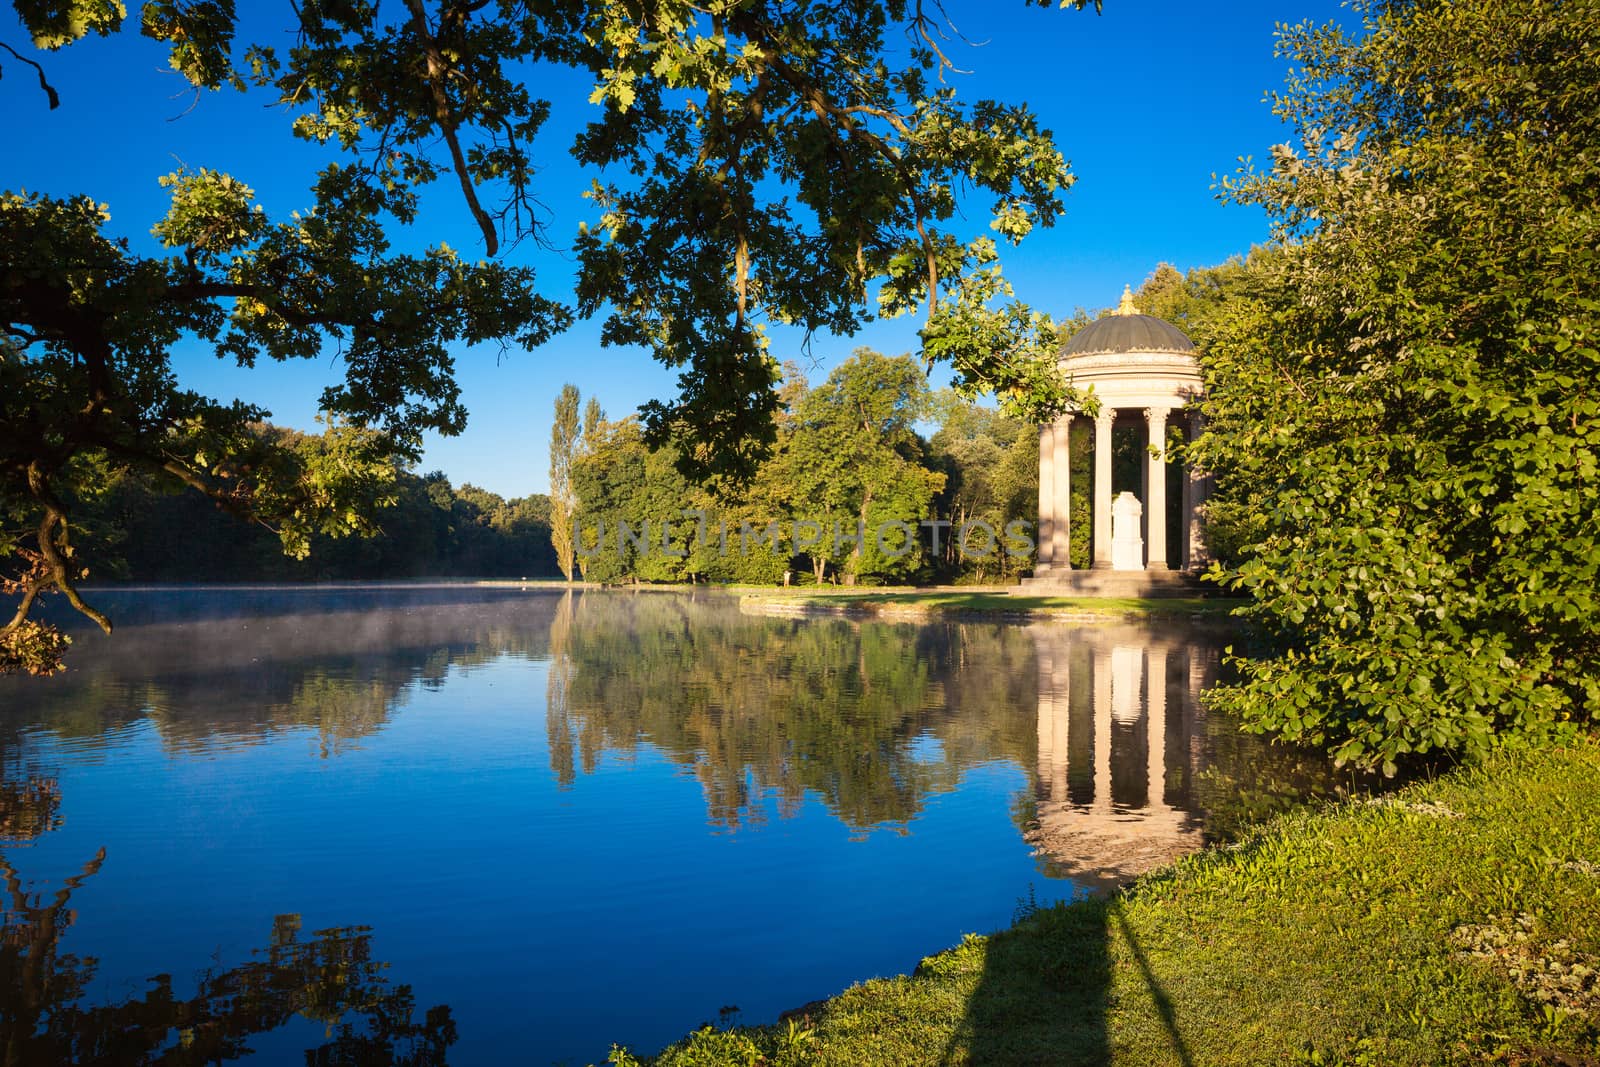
x=1112, y=583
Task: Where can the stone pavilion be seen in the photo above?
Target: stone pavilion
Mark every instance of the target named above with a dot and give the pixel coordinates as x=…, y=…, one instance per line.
x=1143, y=371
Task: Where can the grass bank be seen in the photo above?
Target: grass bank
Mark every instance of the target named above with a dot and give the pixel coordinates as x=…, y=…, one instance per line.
x=922, y=603
x=1455, y=922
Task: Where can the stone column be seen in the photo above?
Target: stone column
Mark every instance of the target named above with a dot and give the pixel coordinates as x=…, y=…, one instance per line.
x=1156, y=477
x=1061, y=535
x=1047, y=499
x=1186, y=506
x=1102, y=487
x=1144, y=480
x=1195, y=556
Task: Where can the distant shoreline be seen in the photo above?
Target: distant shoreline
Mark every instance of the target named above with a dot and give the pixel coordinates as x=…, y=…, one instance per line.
x=907, y=603
x=966, y=603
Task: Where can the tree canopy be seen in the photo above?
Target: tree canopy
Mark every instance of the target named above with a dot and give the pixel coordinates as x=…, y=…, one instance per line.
x=1402, y=418
x=774, y=162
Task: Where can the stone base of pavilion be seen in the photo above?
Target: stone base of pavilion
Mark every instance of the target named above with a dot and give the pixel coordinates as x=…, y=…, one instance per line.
x=1113, y=583
x=1104, y=848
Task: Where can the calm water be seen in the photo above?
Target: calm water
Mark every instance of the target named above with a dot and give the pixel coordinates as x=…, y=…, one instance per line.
x=494, y=826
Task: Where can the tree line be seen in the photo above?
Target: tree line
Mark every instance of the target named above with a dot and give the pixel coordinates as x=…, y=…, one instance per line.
x=850, y=452
x=419, y=525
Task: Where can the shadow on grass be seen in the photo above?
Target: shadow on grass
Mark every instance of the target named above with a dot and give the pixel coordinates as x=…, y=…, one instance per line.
x=1046, y=989
x=1042, y=997
x=1158, y=995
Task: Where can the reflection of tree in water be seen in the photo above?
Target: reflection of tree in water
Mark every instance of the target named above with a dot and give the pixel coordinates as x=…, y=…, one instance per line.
x=870, y=717
x=30, y=803
x=340, y=709
x=331, y=980
x=557, y=725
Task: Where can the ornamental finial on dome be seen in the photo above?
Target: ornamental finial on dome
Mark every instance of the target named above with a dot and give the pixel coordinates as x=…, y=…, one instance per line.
x=1126, y=307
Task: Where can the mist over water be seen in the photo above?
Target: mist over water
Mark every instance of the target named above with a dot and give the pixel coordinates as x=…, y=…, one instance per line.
x=483, y=825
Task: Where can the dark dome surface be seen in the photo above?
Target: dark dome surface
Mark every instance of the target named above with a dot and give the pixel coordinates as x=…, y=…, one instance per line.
x=1128, y=333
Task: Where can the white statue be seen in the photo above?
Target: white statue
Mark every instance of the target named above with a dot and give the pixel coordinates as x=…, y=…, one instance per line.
x=1127, y=546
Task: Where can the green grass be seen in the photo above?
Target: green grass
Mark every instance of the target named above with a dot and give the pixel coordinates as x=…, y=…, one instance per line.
x=956, y=601
x=1340, y=936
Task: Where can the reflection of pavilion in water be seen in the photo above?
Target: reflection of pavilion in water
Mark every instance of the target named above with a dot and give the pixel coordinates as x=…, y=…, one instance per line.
x=1118, y=748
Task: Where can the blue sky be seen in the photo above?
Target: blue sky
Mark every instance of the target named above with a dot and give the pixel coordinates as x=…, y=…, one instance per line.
x=1149, y=100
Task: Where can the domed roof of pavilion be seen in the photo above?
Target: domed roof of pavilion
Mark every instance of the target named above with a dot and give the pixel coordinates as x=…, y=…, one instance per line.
x=1125, y=330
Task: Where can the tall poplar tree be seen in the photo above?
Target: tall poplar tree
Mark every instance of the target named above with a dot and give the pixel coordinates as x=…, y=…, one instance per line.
x=564, y=436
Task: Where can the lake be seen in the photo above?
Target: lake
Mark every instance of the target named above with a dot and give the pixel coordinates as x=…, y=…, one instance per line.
x=484, y=825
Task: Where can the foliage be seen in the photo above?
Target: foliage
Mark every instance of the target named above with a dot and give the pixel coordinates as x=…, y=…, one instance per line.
x=1402, y=400
x=773, y=162
x=619, y=480
x=32, y=647
x=1326, y=937
x=786, y=167
x=853, y=463
x=1194, y=301
x=991, y=467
